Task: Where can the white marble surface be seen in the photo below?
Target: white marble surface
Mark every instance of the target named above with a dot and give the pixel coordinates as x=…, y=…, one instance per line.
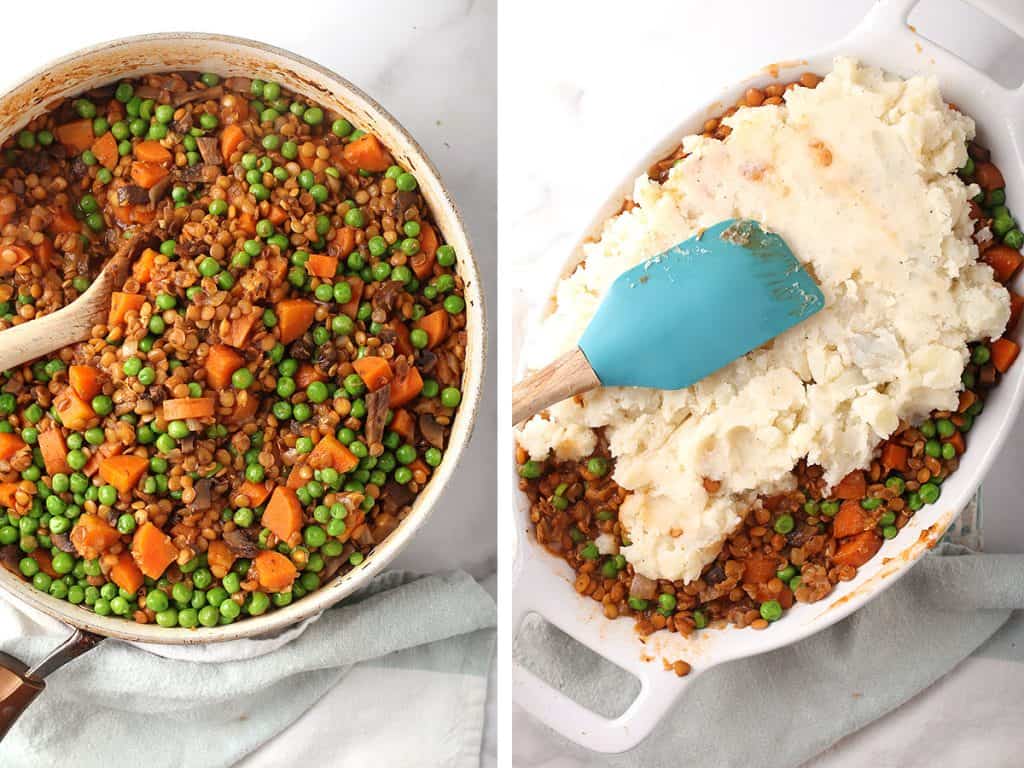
x=432, y=65
x=573, y=120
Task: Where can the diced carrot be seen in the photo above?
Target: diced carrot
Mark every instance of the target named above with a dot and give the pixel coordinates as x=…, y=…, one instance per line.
x=894, y=457
x=220, y=558
x=10, y=444
x=307, y=374
x=352, y=306
x=64, y=222
x=294, y=316
x=344, y=241
x=374, y=371
x=320, y=265
x=405, y=389
x=92, y=535
x=1004, y=352
x=957, y=441
x=403, y=424
x=44, y=561
x=85, y=379
x=1004, y=260
x=123, y=303
x=45, y=252
x=126, y=573
x=153, y=550
x=246, y=405
x=403, y=342
x=76, y=136
x=188, y=408
x=283, y=515
x=13, y=256
x=275, y=572
x=858, y=549
x=7, y=494
x=759, y=569
x=422, y=262
x=142, y=269
x=277, y=215
x=221, y=362
x=850, y=520
x=329, y=452
x=92, y=466
x=967, y=399
x=230, y=138
x=105, y=149
x=256, y=492
x=1016, y=305
x=74, y=412
x=988, y=176
x=152, y=152
x=247, y=223
x=55, y=452
x=436, y=326
x=240, y=329
x=853, y=486
x=419, y=466
x=147, y=175
x=123, y=471
x=368, y=154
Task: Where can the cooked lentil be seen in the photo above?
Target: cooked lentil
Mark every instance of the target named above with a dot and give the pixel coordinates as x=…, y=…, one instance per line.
x=792, y=547
x=255, y=417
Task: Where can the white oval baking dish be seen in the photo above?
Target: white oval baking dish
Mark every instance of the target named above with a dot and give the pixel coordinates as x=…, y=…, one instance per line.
x=543, y=584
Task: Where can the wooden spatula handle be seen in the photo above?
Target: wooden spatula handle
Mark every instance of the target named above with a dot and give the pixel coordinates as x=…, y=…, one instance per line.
x=43, y=335
x=567, y=376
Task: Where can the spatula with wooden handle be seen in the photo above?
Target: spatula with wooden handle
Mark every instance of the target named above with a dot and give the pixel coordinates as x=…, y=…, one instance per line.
x=74, y=322
x=681, y=315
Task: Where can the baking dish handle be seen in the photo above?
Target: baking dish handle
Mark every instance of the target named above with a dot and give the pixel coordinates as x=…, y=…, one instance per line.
x=886, y=23
x=659, y=688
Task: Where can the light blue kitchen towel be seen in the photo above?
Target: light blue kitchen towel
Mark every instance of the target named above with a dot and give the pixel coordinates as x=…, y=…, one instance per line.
x=780, y=709
x=120, y=705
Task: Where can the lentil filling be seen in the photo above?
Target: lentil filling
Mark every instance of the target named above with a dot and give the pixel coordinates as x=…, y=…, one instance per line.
x=793, y=547
x=278, y=375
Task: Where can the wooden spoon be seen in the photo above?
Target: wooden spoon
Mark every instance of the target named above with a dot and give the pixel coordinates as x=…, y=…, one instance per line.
x=74, y=322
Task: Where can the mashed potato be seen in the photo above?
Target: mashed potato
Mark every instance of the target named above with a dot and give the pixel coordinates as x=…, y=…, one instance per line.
x=858, y=176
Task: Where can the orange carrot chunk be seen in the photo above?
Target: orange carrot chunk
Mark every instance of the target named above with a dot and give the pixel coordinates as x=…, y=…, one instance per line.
x=352, y=306
x=105, y=149
x=152, y=152
x=8, y=491
x=344, y=242
x=320, y=265
x=239, y=329
x=126, y=573
x=436, y=326
x=92, y=535
x=188, y=408
x=147, y=175
x=153, y=550
x=422, y=262
x=1004, y=260
x=123, y=471
x=55, y=451
x=283, y=515
x=221, y=362
x=294, y=316
x=10, y=444
x=85, y=380
x=123, y=303
x=858, y=549
x=850, y=520
x=230, y=138
x=74, y=412
x=256, y=492
x=759, y=569
x=142, y=269
x=405, y=389
x=76, y=136
x=853, y=486
x=374, y=371
x=329, y=452
x=894, y=457
x=13, y=256
x=220, y=558
x=368, y=154
x=275, y=572
x=1016, y=305
x=403, y=424
x=1004, y=352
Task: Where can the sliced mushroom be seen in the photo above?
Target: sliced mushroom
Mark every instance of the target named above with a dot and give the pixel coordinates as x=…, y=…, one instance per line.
x=184, y=125
x=9, y=557
x=386, y=296
x=376, y=413
x=198, y=95
x=399, y=494
x=132, y=194
x=158, y=190
x=204, y=496
x=432, y=432
x=241, y=542
x=210, y=150
x=63, y=542
x=193, y=174
x=643, y=588
x=147, y=92
x=426, y=361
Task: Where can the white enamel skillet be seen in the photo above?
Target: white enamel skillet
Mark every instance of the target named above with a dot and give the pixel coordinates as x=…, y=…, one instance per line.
x=543, y=584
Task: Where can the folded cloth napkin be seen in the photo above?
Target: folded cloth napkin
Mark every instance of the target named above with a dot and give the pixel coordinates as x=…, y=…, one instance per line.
x=779, y=709
x=121, y=705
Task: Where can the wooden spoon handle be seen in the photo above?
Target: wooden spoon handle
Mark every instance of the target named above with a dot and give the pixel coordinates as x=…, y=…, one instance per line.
x=43, y=335
x=567, y=376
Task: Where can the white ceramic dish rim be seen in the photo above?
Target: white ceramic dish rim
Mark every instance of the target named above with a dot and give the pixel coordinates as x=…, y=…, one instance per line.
x=542, y=584
x=227, y=55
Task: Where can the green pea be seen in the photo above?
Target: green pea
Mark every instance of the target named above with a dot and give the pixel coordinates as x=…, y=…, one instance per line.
x=530, y=470
x=341, y=127
x=450, y=397
x=597, y=466
x=242, y=378
x=872, y=502
x=981, y=355
x=784, y=524
x=406, y=182
x=666, y=602
x=771, y=610
x=896, y=484
x=445, y=255
x=929, y=493
x=454, y=304
x=933, y=448
x=354, y=218
x=165, y=443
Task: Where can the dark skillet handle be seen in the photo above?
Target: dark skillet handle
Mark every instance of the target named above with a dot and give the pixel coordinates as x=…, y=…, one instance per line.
x=20, y=685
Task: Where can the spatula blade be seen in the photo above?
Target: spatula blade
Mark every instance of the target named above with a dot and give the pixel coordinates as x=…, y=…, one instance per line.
x=698, y=306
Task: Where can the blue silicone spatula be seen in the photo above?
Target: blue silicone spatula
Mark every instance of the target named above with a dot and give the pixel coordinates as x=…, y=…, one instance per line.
x=682, y=315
